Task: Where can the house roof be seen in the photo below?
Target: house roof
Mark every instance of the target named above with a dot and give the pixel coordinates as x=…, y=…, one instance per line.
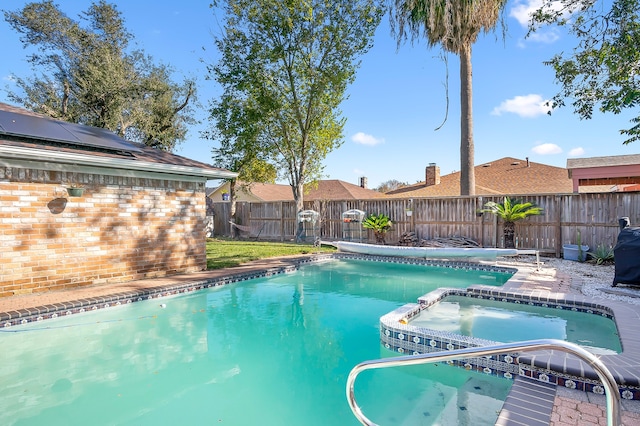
x=126, y=155
x=614, y=160
x=505, y=176
x=271, y=192
x=325, y=190
x=334, y=189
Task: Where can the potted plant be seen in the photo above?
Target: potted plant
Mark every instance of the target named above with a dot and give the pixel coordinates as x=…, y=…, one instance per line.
x=380, y=224
x=75, y=190
x=510, y=212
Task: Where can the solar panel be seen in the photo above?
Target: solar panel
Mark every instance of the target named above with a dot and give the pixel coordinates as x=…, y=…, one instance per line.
x=47, y=129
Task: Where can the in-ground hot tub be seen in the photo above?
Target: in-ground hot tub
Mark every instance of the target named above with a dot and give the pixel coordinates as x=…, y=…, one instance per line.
x=506, y=322
x=400, y=334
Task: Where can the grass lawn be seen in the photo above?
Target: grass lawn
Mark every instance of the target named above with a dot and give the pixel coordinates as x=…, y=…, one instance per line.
x=226, y=253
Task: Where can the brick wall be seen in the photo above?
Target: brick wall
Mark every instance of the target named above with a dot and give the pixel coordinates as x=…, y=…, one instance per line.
x=120, y=229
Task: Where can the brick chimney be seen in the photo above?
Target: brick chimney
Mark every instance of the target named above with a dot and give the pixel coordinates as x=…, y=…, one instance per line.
x=432, y=175
x=363, y=182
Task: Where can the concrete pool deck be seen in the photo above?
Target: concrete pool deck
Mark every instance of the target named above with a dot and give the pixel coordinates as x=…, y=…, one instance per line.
x=570, y=407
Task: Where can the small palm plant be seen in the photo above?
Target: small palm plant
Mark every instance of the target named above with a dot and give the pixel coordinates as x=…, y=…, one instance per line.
x=510, y=212
x=380, y=224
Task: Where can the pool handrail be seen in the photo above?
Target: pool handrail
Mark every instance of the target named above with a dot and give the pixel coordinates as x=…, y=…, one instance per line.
x=612, y=393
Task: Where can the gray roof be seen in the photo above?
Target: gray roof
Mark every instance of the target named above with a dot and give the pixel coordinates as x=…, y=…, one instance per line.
x=614, y=160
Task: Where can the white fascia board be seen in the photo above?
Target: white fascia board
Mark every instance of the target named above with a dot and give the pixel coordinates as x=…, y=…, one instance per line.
x=31, y=157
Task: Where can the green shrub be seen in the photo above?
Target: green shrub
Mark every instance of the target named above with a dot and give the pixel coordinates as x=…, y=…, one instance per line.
x=602, y=255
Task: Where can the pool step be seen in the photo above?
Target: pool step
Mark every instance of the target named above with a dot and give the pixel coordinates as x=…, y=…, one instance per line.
x=529, y=403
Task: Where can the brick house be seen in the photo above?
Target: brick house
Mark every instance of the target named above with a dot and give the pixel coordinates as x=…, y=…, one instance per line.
x=142, y=212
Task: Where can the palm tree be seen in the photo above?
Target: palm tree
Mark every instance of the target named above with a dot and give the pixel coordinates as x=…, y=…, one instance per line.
x=380, y=224
x=455, y=25
x=510, y=212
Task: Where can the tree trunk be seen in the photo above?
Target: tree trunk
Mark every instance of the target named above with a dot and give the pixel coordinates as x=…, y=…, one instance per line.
x=298, y=196
x=232, y=198
x=232, y=208
x=509, y=235
x=467, y=173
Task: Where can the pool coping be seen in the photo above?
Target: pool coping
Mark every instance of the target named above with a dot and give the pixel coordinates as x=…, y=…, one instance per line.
x=126, y=293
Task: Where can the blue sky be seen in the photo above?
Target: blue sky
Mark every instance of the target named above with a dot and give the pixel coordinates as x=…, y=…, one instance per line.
x=398, y=98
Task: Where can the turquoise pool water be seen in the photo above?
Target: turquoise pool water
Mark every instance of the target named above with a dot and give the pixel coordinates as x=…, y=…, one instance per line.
x=273, y=351
x=509, y=322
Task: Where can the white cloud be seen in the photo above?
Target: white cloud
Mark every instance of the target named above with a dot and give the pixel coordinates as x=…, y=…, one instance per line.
x=524, y=106
x=365, y=139
x=576, y=152
x=547, y=36
x=522, y=12
x=10, y=78
x=547, y=149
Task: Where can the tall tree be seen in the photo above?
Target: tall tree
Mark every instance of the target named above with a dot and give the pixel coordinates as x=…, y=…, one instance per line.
x=237, y=129
x=603, y=69
x=88, y=75
x=455, y=26
x=289, y=63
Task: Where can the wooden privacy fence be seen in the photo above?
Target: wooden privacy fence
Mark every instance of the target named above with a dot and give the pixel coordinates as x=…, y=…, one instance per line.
x=591, y=217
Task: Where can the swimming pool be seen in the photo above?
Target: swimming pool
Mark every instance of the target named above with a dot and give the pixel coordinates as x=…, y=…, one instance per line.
x=270, y=351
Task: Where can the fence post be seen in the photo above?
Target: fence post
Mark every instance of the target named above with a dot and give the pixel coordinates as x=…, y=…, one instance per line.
x=559, y=215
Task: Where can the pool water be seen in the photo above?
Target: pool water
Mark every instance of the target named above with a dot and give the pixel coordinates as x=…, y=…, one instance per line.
x=509, y=322
x=272, y=351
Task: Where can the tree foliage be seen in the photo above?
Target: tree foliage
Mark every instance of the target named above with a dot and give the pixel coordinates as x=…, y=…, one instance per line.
x=390, y=185
x=455, y=26
x=236, y=129
x=284, y=69
x=603, y=69
x=88, y=75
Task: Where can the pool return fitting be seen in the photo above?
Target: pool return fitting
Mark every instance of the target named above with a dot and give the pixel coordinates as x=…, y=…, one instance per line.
x=610, y=385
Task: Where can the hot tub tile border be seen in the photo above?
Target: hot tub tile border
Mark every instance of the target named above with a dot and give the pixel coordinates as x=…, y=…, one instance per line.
x=543, y=366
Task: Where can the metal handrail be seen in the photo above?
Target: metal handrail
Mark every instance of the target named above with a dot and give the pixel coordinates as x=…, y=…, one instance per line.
x=611, y=387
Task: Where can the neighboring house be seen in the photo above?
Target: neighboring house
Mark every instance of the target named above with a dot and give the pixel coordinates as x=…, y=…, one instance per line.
x=325, y=190
x=257, y=192
x=621, y=173
x=142, y=212
x=504, y=176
